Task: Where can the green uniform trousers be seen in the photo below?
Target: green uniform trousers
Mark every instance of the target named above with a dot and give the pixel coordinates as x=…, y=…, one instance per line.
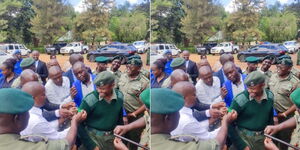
x=255, y=142
x=104, y=142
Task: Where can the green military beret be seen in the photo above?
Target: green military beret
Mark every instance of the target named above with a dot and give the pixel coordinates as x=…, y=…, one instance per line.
x=145, y=97
x=295, y=97
x=286, y=62
x=104, y=78
x=284, y=57
x=254, y=78
x=165, y=101
x=14, y=101
x=135, y=61
x=117, y=57
x=252, y=59
x=134, y=57
x=268, y=57
x=26, y=62
x=177, y=62
x=101, y=59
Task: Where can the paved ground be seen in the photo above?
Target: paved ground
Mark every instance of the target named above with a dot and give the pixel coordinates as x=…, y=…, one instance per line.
x=64, y=61
x=213, y=60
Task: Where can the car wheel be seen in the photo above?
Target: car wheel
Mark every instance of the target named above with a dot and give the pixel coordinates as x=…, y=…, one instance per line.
x=71, y=51
x=241, y=58
x=235, y=51
x=92, y=58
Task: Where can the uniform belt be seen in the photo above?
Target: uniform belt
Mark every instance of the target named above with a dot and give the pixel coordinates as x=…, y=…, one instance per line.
x=98, y=132
x=250, y=133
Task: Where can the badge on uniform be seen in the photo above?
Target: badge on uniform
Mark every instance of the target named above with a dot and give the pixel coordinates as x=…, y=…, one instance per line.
x=34, y=138
x=184, y=138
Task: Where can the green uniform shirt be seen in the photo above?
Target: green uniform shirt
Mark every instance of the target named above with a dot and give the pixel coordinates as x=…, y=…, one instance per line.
x=163, y=142
x=252, y=115
x=132, y=88
x=117, y=74
x=295, y=140
x=295, y=72
x=282, y=88
x=14, y=142
x=145, y=138
x=101, y=115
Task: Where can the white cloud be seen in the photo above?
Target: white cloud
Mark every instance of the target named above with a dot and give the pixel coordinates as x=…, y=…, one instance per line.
x=132, y=1
x=230, y=7
x=283, y=1
x=80, y=6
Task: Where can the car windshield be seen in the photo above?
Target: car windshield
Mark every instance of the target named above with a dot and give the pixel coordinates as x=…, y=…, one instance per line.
x=22, y=47
x=70, y=45
x=131, y=47
x=281, y=47
x=138, y=43
x=289, y=43
x=221, y=45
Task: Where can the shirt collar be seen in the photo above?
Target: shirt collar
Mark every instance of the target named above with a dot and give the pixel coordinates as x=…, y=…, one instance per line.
x=36, y=110
x=113, y=97
x=264, y=96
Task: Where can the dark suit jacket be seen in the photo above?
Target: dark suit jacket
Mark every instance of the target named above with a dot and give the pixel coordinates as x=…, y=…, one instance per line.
x=220, y=75
x=199, y=110
x=42, y=71
x=49, y=110
x=192, y=70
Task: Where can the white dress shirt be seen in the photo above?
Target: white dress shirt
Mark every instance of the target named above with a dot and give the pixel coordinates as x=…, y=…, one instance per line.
x=58, y=94
x=38, y=125
x=86, y=89
x=188, y=125
x=209, y=94
x=237, y=89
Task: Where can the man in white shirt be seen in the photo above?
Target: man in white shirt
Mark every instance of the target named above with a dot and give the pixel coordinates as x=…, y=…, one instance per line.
x=58, y=87
x=208, y=89
x=37, y=124
x=188, y=125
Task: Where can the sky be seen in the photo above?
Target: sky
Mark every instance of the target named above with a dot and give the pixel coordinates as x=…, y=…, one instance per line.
x=228, y=4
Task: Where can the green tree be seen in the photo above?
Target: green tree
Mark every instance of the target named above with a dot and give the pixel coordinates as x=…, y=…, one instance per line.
x=8, y=11
x=200, y=20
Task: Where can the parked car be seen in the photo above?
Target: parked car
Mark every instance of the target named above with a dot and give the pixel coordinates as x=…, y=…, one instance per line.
x=10, y=48
x=160, y=48
x=74, y=47
x=205, y=48
x=292, y=46
x=4, y=56
x=263, y=50
x=225, y=47
x=55, y=48
x=141, y=46
x=113, y=50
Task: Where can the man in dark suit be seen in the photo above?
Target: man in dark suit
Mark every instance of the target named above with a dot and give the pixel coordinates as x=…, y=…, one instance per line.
x=220, y=73
x=191, y=67
x=40, y=66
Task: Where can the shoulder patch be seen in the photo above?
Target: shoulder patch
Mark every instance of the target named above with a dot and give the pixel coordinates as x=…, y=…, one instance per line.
x=184, y=138
x=34, y=138
x=270, y=95
x=119, y=94
x=241, y=99
x=91, y=99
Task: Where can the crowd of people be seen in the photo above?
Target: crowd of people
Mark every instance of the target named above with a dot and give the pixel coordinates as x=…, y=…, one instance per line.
x=45, y=107
x=194, y=106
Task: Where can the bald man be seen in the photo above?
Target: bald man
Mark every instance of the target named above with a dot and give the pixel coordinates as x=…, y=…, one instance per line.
x=26, y=76
x=235, y=82
x=208, y=88
x=220, y=73
x=188, y=125
x=58, y=88
x=84, y=83
x=177, y=76
x=203, y=62
x=40, y=66
x=191, y=67
x=70, y=73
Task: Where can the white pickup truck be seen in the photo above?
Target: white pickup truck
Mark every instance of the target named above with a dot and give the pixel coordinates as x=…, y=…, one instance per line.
x=74, y=47
x=225, y=47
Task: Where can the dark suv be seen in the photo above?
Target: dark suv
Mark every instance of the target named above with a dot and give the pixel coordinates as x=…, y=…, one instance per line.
x=55, y=48
x=205, y=48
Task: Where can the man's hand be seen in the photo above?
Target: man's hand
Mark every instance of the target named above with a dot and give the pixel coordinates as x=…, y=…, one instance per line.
x=271, y=130
x=269, y=145
x=132, y=115
x=79, y=117
x=247, y=148
x=223, y=92
x=230, y=117
x=73, y=92
x=68, y=105
x=218, y=105
x=120, y=130
x=215, y=113
x=119, y=145
x=281, y=115
x=64, y=113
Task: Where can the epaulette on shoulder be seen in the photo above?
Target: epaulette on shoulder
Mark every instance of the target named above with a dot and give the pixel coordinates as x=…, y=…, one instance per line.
x=91, y=99
x=241, y=99
x=270, y=95
x=34, y=138
x=184, y=138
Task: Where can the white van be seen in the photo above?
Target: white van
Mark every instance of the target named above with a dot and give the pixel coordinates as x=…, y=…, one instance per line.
x=160, y=48
x=10, y=48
